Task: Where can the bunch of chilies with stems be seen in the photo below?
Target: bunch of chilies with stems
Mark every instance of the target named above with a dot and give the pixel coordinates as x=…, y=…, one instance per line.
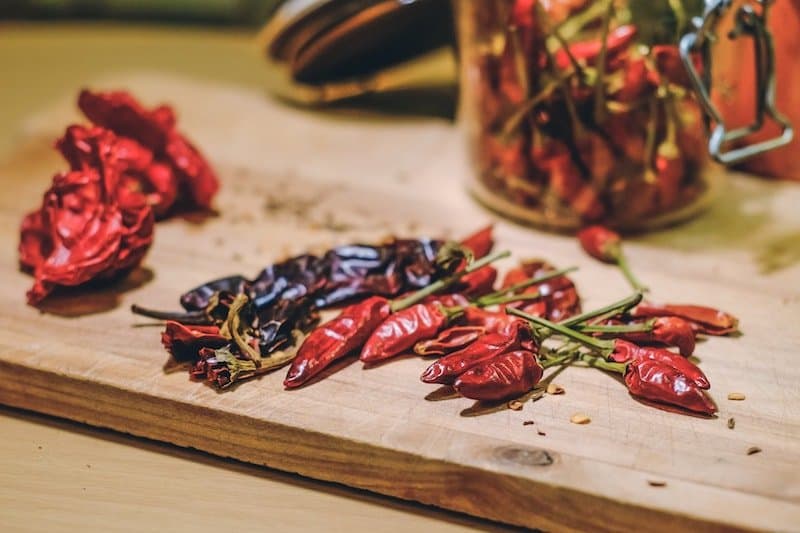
x=576, y=116
x=440, y=299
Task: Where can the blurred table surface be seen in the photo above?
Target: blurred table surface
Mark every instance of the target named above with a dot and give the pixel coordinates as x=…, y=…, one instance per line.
x=57, y=475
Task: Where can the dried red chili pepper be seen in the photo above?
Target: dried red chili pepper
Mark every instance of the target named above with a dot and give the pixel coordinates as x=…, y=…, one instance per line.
x=337, y=338
x=449, y=367
x=605, y=245
x=480, y=243
x=661, y=382
x=671, y=331
x=478, y=283
x=98, y=148
x=155, y=129
x=670, y=169
x=83, y=233
x=559, y=297
x=703, y=319
x=184, y=342
x=588, y=52
x=636, y=80
x=503, y=377
x=401, y=330
x=624, y=352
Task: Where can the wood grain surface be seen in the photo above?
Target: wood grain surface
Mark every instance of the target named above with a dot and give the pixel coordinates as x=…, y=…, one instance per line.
x=88, y=359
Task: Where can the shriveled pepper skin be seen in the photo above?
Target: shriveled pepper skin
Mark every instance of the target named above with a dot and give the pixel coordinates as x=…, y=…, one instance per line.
x=625, y=351
x=658, y=381
x=503, y=377
x=184, y=342
x=401, y=330
x=336, y=338
x=703, y=319
x=560, y=299
x=449, y=367
x=449, y=340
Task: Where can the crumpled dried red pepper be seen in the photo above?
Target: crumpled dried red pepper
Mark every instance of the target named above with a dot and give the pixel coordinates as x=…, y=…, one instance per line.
x=96, y=220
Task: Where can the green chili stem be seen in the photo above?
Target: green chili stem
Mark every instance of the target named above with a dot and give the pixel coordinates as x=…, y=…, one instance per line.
x=557, y=360
x=565, y=331
x=622, y=263
x=527, y=283
x=438, y=285
x=481, y=302
x=602, y=364
x=615, y=308
x=622, y=328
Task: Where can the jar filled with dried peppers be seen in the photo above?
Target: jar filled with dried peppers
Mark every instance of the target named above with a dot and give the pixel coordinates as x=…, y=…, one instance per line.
x=581, y=111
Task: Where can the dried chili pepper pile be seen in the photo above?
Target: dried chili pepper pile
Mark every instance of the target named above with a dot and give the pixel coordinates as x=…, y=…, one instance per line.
x=434, y=299
x=129, y=168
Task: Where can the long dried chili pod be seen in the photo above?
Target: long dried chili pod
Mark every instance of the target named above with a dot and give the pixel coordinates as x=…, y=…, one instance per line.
x=703, y=319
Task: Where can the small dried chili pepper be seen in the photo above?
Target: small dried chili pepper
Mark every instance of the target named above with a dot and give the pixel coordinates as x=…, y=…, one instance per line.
x=184, y=342
x=480, y=243
x=605, y=245
x=559, y=297
x=336, y=339
x=401, y=330
x=661, y=382
x=625, y=351
x=671, y=331
x=449, y=367
x=588, y=52
x=703, y=319
x=503, y=377
x=478, y=283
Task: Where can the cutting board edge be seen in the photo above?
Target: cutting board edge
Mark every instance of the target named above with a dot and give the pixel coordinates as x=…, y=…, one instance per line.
x=467, y=489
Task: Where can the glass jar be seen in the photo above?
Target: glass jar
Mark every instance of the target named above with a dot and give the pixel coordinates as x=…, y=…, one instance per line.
x=582, y=111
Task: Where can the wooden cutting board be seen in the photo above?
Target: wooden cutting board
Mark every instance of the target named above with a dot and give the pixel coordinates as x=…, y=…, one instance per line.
x=296, y=181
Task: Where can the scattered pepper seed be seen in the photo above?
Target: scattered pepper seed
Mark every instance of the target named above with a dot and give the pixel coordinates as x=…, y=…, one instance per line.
x=731, y=423
x=580, y=418
x=752, y=450
x=656, y=482
x=554, y=388
x=515, y=405
x=736, y=396
x=540, y=432
x=528, y=423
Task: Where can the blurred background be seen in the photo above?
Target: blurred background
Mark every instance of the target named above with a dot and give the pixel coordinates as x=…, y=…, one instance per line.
x=209, y=12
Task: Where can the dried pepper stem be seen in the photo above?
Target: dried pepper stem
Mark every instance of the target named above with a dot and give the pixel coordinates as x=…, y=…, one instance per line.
x=622, y=328
x=625, y=268
x=602, y=364
x=611, y=309
x=436, y=286
x=527, y=283
x=192, y=318
x=591, y=342
x=559, y=360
